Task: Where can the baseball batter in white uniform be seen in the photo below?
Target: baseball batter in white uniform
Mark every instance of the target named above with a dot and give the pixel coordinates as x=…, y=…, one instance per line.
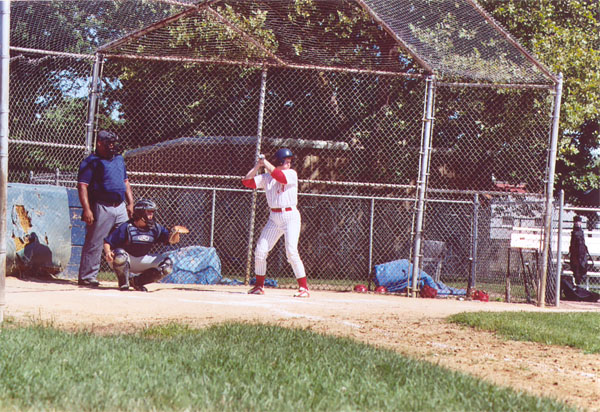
x=280, y=183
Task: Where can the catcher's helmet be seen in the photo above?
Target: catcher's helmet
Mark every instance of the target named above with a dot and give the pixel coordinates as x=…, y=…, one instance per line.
x=280, y=155
x=140, y=207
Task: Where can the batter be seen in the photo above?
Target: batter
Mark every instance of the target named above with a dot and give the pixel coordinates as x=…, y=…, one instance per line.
x=280, y=183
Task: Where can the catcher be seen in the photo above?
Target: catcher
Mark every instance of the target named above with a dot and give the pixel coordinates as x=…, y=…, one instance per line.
x=127, y=248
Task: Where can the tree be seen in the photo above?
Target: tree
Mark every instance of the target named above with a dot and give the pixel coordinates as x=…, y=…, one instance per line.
x=565, y=36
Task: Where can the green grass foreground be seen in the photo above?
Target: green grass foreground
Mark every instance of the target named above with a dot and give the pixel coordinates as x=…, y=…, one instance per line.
x=574, y=329
x=230, y=367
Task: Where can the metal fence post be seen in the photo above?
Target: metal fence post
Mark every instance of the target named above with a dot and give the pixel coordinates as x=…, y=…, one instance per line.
x=371, y=222
x=89, y=133
x=4, y=107
x=550, y=191
x=212, y=217
x=422, y=183
x=261, y=111
x=474, y=235
x=561, y=206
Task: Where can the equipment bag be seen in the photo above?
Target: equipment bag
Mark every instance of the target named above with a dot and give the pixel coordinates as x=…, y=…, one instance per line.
x=569, y=291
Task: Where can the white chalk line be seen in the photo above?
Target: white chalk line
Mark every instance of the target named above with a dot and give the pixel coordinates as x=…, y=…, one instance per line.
x=271, y=305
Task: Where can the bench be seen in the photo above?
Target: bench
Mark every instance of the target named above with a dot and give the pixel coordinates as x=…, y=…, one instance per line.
x=530, y=238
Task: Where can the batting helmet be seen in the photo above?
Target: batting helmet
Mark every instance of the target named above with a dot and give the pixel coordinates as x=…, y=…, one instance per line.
x=360, y=288
x=280, y=155
x=428, y=292
x=140, y=207
x=381, y=289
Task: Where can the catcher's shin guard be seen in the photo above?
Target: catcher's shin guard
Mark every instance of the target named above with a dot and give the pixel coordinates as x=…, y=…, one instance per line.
x=121, y=267
x=166, y=267
x=153, y=274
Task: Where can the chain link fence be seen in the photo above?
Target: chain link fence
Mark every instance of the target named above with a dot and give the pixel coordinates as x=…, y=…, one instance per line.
x=195, y=97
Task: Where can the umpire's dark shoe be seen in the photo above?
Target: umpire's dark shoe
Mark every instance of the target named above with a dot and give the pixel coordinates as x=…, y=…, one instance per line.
x=90, y=283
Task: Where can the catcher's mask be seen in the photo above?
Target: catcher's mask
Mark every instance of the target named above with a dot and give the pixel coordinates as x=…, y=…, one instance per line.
x=110, y=141
x=281, y=155
x=141, y=207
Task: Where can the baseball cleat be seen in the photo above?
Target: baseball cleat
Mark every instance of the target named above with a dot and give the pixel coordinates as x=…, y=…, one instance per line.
x=91, y=283
x=257, y=290
x=140, y=288
x=135, y=286
x=302, y=293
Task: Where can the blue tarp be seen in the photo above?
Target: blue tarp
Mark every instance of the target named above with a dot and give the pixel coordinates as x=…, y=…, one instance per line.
x=395, y=276
x=270, y=283
x=195, y=264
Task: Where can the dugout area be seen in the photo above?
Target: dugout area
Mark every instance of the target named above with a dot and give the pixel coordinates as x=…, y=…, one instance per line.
x=413, y=123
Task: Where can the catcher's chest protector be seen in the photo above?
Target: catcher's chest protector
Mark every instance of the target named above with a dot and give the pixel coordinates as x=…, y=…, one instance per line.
x=136, y=236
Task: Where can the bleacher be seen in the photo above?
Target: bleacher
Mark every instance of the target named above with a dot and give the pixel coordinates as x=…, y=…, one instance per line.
x=529, y=238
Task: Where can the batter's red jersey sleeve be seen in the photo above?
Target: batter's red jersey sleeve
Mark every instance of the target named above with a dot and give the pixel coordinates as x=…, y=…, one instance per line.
x=279, y=176
x=249, y=183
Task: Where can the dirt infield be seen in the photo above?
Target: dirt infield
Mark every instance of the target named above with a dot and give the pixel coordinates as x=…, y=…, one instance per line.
x=414, y=327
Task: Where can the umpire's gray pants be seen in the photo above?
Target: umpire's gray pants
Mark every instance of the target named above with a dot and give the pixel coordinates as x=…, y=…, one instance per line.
x=105, y=219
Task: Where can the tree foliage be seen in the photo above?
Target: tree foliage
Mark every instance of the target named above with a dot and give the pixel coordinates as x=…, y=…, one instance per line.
x=565, y=36
x=149, y=102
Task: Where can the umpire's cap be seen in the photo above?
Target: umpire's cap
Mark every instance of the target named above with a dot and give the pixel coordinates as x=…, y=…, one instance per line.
x=106, y=136
x=281, y=154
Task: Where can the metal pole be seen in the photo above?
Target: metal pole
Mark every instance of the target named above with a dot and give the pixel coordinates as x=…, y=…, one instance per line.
x=261, y=111
x=561, y=206
x=371, y=240
x=89, y=133
x=4, y=108
x=474, y=236
x=422, y=183
x=212, y=218
x=550, y=192
x=507, y=292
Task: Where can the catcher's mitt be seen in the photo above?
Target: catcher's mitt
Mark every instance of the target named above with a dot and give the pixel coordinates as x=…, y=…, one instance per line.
x=175, y=231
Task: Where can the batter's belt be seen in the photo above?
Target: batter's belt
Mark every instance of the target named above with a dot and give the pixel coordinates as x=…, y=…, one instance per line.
x=279, y=209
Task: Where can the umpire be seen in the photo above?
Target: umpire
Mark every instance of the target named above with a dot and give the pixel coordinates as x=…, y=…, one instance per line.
x=103, y=189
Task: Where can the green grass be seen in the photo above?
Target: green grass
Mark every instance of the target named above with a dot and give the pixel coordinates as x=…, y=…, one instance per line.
x=574, y=329
x=230, y=367
x=106, y=276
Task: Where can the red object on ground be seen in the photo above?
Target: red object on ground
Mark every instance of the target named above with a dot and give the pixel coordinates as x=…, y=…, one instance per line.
x=381, y=289
x=481, y=295
x=428, y=292
x=360, y=288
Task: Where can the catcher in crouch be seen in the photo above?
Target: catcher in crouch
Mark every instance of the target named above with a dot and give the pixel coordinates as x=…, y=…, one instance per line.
x=127, y=248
